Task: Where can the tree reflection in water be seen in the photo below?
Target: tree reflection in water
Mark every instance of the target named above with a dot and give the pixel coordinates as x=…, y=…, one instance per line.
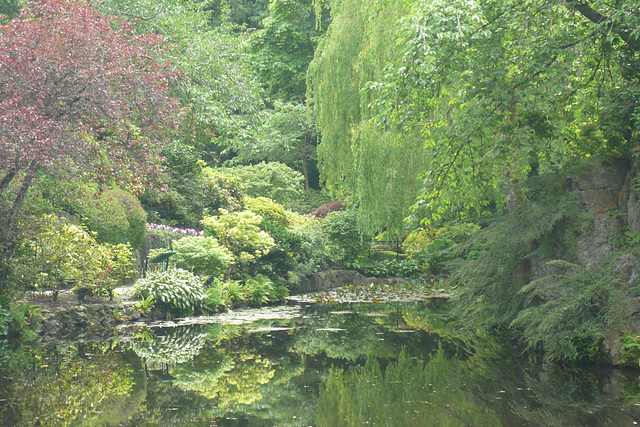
x=385, y=364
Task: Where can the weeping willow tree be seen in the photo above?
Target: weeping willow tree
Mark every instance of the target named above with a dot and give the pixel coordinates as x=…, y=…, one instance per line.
x=471, y=98
x=363, y=153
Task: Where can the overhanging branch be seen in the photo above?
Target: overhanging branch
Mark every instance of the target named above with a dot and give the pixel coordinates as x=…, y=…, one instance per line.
x=598, y=18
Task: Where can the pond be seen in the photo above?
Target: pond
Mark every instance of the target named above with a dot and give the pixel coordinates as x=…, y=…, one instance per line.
x=308, y=364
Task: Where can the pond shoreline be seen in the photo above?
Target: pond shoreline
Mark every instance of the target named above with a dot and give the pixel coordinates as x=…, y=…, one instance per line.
x=98, y=318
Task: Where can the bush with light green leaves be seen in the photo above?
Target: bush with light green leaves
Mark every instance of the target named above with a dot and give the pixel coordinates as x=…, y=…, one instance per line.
x=268, y=209
x=240, y=233
x=274, y=180
x=54, y=254
x=201, y=255
x=175, y=291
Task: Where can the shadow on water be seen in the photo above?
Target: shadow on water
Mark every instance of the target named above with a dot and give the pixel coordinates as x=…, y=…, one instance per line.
x=395, y=364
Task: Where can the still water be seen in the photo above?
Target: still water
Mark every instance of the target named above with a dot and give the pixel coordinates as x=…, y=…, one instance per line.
x=395, y=364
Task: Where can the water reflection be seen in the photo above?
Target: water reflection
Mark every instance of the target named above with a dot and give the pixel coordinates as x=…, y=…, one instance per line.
x=326, y=365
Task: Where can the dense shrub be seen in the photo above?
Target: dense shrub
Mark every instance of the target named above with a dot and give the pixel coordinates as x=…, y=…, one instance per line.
x=422, y=239
x=253, y=291
x=201, y=255
x=223, y=191
x=116, y=215
x=240, y=233
x=311, y=200
x=57, y=254
x=347, y=242
x=274, y=180
x=181, y=202
x=176, y=291
x=313, y=253
x=268, y=210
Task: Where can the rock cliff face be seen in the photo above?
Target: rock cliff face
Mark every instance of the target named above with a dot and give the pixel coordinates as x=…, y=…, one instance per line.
x=608, y=192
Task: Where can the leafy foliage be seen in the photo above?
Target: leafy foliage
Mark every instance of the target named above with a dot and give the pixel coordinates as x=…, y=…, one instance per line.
x=571, y=323
x=470, y=97
x=57, y=254
x=240, y=233
x=268, y=210
x=313, y=252
x=630, y=350
x=253, y=291
x=282, y=51
x=175, y=291
x=361, y=154
x=401, y=267
x=115, y=215
x=224, y=190
x=491, y=278
x=566, y=309
x=274, y=180
x=343, y=232
x=97, y=102
x=201, y=255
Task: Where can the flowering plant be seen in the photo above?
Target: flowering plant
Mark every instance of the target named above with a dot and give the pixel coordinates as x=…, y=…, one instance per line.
x=187, y=231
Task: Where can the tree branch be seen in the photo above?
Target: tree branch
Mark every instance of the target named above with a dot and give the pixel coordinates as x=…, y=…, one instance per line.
x=598, y=18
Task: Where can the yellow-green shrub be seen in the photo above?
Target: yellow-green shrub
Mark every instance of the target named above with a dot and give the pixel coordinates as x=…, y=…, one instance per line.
x=268, y=209
x=56, y=253
x=116, y=215
x=201, y=255
x=240, y=233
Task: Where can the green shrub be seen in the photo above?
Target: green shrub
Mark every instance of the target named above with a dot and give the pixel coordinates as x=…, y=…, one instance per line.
x=422, y=239
x=193, y=190
x=312, y=253
x=240, y=233
x=253, y=291
x=260, y=290
x=406, y=268
x=57, y=254
x=117, y=267
x=268, y=210
x=201, y=255
x=175, y=291
x=274, y=180
x=341, y=228
x=115, y=215
x=311, y=200
x=630, y=350
x=280, y=259
x=223, y=190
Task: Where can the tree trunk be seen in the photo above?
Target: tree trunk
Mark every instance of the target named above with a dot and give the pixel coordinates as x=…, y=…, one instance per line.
x=6, y=180
x=305, y=170
x=17, y=205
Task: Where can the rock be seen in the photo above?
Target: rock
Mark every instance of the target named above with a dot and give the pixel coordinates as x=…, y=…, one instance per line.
x=323, y=280
x=625, y=272
x=598, y=190
x=330, y=279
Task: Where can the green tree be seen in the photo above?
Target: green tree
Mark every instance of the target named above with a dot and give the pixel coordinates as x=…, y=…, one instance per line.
x=285, y=134
x=274, y=180
x=96, y=105
x=482, y=94
x=282, y=51
x=219, y=88
x=362, y=154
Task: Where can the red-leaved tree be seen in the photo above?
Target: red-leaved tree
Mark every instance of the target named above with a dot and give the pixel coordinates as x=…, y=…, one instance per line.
x=81, y=96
